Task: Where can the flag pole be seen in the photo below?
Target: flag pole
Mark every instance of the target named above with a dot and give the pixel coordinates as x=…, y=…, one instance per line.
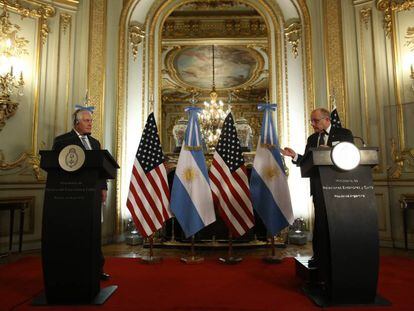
x=230, y=260
x=192, y=259
x=151, y=259
x=272, y=259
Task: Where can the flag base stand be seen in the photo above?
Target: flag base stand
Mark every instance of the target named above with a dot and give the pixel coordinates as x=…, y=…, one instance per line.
x=230, y=260
x=272, y=259
x=150, y=259
x=192, y=260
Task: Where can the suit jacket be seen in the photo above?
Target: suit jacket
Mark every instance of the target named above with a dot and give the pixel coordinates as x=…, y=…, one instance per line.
x=71, y=138
x=336, y=134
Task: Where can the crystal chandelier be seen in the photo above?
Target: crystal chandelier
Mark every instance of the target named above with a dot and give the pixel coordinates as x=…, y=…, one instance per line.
x=213, y=115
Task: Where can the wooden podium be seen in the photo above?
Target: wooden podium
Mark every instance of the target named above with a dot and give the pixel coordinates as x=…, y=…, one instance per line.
x=71, y=229
x=347, y=237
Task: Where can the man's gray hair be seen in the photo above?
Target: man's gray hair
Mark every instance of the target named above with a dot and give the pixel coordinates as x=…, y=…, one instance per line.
x=76, y=115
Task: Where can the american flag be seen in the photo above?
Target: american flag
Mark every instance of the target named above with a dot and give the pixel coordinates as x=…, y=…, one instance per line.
x=149, y=195
x=229, y=182
x=335, y=121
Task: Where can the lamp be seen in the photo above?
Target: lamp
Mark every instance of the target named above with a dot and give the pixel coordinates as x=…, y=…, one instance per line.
x=345, y=156
x=213, y=114
x=11, y=48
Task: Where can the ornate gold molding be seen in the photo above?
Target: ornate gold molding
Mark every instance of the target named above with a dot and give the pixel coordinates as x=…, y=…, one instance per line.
x=401, y=159
x=97, y=62
x=40, y=12
x=65, y=21
x=4, y=165
x=136, y=35
x=293, y=33
x=334, y=54
x=410, y=38
x=309, y=96
x=365, y=16
x=226, y=27
x=43, y=12
x=390, y=6
x=7, y=110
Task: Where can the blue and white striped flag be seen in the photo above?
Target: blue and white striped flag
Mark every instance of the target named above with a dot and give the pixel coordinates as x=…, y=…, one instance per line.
x=191, y=197
x=268, y=182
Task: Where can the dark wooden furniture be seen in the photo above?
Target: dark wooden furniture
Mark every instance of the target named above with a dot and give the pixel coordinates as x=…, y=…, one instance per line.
x=19, y=204
x=406, y=203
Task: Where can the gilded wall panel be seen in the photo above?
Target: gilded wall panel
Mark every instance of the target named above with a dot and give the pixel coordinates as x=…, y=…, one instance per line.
x=370, y=99
x=19, y=155
x=400, y=137
x=334, y=55
x=96, y=62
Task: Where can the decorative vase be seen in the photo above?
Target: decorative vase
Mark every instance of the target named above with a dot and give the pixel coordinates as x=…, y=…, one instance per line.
x=179, y=133
x=244, y=133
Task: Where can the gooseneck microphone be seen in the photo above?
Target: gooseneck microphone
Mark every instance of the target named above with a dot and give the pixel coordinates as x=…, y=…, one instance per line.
x=362, y=141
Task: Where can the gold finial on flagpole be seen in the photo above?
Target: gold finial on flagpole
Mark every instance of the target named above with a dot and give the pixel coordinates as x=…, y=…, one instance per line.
x=151, y=102
x=332, y=101
x=86, y=101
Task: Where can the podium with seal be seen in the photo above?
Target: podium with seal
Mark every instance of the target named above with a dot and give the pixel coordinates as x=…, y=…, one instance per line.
x=71, y=227
x=347, y=243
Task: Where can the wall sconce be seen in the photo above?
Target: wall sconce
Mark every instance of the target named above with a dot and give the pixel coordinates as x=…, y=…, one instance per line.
x=12, y=47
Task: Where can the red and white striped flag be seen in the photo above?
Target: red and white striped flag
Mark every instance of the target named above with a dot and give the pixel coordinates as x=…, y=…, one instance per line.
x=229, y=182
x=149, y=195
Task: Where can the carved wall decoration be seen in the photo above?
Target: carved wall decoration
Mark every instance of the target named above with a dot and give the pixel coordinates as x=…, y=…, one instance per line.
x=40, y=13
x=233, y=28
x=96, y=62
x=66, y=20
x=136, y=35
x=390, y=6
x=365, y=16
x=334, y=54
x=410, y=38
x=293, y=33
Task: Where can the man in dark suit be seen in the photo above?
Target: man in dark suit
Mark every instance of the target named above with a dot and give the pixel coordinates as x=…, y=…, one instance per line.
x=325, y=135
x=80, y=135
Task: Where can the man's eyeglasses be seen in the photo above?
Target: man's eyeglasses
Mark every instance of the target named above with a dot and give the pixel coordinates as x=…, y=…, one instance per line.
x=315, y=121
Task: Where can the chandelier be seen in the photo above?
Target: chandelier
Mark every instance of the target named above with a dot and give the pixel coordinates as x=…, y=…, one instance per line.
x=213, y=115
x=12, y=47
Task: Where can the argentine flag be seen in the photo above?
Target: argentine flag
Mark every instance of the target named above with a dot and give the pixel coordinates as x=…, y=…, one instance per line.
x=268, y=182
x=191, y=197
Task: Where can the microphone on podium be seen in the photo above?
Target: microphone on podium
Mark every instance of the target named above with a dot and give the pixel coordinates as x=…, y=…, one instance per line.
x=362, y=141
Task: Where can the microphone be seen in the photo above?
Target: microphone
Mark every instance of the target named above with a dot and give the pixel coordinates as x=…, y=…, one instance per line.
x=362, y=141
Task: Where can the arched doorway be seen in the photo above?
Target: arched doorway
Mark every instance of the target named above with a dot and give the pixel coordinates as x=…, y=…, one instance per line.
x=283, y=51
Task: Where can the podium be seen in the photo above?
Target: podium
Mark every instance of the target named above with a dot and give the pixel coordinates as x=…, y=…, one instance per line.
x=347, y=246
x=71, y=229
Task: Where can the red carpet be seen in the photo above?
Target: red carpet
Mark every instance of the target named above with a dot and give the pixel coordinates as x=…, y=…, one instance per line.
x=251, y=285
